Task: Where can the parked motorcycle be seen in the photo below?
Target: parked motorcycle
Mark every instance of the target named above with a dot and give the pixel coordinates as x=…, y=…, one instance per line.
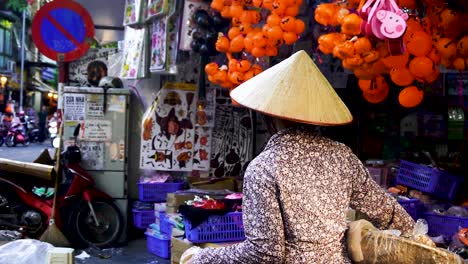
x=16, y=135
x=87, y=216
x=32, y=130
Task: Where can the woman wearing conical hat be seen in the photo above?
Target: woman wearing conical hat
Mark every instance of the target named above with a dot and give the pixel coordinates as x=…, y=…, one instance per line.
x=297, y=191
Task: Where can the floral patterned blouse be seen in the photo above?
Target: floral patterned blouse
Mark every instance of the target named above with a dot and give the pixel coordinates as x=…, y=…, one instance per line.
x=296, y=194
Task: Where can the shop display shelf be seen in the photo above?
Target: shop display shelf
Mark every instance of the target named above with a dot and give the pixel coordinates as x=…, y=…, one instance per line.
x=160, y=247
x=413, y=207
x=143, y=218
x=224, y=228
x=157, y=192
x=445, y=225
x=433, y=181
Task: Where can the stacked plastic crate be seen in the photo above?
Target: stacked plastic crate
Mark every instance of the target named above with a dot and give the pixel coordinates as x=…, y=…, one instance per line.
x=157, y=230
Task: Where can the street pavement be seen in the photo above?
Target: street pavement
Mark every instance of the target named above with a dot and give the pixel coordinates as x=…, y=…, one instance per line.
x=25, y=153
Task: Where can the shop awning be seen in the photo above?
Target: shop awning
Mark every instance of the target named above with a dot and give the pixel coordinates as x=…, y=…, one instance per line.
x=42, y=86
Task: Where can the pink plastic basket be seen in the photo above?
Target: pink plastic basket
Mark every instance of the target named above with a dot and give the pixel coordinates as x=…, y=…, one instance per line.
x=160, y=247
x=157, y=192
x=143, y=218
x=433, y=181
x=224, y=228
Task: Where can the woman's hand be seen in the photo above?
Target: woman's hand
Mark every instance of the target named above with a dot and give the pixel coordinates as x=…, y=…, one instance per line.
x=187, y=256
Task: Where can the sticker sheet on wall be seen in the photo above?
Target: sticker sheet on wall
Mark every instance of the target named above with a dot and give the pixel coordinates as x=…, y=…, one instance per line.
x=201, y=159
x=134, y=62
x=164, y=41
x=134, y=11
x=168, y=129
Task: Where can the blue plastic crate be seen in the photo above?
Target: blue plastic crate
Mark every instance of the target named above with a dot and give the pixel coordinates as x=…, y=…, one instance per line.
x=160, y=247
x=413, y=207
x=157, y=192
x=224, y=228
x=444, y=225
x=164, y=225
x=433, y=181
x=143, y=218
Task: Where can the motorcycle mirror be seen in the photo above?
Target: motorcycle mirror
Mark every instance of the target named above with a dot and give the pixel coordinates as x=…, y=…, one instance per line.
x=77, y=130
x=56, y=142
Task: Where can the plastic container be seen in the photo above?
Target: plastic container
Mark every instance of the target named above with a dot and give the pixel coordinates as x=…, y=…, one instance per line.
x=414, y=207
x=160, y=247
x=436, y=182
x=164, y=225
x=157, y=192
x=143, y=218
x=445, y=225
x=224, y=228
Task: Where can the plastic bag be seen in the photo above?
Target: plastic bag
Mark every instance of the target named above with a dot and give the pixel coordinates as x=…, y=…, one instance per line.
x=24, y=251
x=420, y=233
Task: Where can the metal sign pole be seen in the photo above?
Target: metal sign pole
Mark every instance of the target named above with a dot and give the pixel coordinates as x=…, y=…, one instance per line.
x=22, y=60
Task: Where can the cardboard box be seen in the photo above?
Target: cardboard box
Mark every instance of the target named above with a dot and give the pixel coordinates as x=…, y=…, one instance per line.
x=60, y=255
x=172, y=209
x=178, y=247
x=177, y=199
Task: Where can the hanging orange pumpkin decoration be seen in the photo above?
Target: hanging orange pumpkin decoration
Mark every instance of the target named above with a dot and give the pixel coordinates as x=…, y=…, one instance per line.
x=462, y=47
x=362, y=45
x=446, y=48
x=411, y=96
x=328, y=42
x=401, y=76
x=211, y=68
x=419, y=43
x=351, y=25
x=374, y=86
x=433, y=76
x=421, y=67
x=398, y=61
x=376, y=98
x=460, y=64
x=325, y=14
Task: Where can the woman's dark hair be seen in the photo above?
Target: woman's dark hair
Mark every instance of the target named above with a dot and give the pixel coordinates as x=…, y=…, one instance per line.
x=95, y=71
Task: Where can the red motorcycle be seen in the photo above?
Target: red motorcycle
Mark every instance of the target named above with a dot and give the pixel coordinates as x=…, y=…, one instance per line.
x=87, y=216
x=16, y=135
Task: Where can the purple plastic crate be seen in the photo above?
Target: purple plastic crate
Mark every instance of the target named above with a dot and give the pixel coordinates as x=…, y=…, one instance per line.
x=164, y=224
x=143, y=218
x=445, y=225
x=427, y=179
x=413, y=207
x=159, y=247
x=157, y=192
x=224, y=228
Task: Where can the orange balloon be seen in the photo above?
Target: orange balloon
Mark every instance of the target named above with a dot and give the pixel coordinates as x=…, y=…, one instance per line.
x=433, y=76
x=236, y=77
x=292, y=11
x=351, y=25
x=260, y=40
x=246, y=17
x=279, y=7
x=401, y=76
x=378, y=68
x=450, y=22
x=462, y=47
x=222, y=44
x=362, y=45
x=411, y=96
x=255, y=16
x=226, y=11
x=419, y=43
x=233, y=32
x=434, y=56
x=288, y=23
x=217, y=5
x=275, y=32
x=289, y=37
x=237, y=44
x=245, y=28
x=354, y=61
x=447, y=48
x=413, y=25
x=364, y=85
x=221, y=76
x=212, y=79
x=236, y=11
x=398, y=61
x=375, y=85
x=248, y=43
x=248, y=75
x=265, y=29
x=344, y=50
x=326, y=14
x=300, y=26
x=360, y=73
x=243, y=66
x=258, y=3
x=257, y=69
x=371, y=56
x=421, y=67
x=459, y=64
x=271, y=50
x=211, y=68
x=273, y=20
x=258, y=52
x=232, y=65
x=376, y=98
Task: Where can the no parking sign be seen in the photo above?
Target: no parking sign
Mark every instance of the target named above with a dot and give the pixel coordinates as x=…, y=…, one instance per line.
x=63, y=30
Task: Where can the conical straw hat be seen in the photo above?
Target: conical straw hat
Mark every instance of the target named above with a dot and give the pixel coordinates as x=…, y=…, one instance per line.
x=296, y=90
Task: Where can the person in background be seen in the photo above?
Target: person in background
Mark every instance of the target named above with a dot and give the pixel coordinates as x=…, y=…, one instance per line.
x=298, y=190
x=42, y=123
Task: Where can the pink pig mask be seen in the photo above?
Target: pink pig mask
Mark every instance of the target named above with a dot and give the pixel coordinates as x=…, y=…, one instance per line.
x=393, y=24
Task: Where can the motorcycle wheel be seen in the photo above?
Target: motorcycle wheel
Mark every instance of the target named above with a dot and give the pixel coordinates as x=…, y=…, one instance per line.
x=83, y=230
x=10, y=141
x=26, y=142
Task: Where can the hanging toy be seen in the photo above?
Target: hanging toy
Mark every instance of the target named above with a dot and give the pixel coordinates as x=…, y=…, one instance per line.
x=410, y=97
